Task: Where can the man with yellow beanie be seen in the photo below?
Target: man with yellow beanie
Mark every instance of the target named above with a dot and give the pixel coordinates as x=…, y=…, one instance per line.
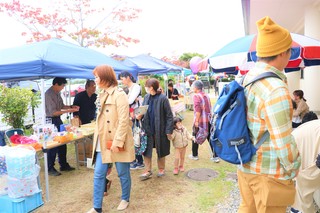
x=266, y=181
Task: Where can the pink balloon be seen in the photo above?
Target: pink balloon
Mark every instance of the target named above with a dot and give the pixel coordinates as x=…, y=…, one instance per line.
x=194, y=64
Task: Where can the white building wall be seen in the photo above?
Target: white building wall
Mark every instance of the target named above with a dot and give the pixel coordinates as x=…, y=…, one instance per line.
x=311, y=83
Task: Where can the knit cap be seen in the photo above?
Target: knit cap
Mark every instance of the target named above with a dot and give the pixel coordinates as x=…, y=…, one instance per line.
x=272, y=39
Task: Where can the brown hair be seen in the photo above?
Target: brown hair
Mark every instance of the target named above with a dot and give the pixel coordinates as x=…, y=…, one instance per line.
x=155, y=84
x=300, y=94
x=106, y=74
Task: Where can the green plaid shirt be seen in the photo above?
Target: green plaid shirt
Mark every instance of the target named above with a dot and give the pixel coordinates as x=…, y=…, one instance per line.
x=269, y=108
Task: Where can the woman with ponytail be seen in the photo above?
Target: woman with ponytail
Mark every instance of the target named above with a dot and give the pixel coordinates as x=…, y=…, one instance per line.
x=302, y=106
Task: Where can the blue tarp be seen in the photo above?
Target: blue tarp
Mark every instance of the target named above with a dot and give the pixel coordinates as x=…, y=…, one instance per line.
x=146, y=64
x=53, y=58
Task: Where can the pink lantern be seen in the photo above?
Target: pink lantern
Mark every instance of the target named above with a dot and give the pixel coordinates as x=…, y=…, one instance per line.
x=194, y=64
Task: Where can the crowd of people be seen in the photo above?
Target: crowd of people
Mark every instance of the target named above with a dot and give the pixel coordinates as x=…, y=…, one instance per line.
x=284, y=172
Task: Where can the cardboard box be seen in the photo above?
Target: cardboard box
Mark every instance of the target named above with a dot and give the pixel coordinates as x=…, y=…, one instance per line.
x=84, y=151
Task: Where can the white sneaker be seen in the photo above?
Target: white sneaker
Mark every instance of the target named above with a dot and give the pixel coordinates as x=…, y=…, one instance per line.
x=123, y=205
x=215, y=159
x=92, y=211
x=193, y=157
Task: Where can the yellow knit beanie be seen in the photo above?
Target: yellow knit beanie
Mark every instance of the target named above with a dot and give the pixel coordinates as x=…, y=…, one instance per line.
x=272, y=39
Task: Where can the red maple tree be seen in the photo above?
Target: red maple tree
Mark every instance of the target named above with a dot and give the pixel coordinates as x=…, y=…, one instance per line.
x=176, y=60
x=71, y=18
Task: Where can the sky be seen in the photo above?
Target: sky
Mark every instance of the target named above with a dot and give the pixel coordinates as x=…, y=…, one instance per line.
x=164, y=28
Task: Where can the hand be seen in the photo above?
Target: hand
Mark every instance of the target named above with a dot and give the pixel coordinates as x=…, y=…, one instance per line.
x=75, y=107
x=169, y=136
x=72, y=110
x=138, y=117
x=193, y=138
x=114, y=148
x=196, y=124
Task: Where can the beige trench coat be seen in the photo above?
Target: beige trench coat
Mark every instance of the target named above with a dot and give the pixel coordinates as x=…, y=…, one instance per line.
x=113, y=123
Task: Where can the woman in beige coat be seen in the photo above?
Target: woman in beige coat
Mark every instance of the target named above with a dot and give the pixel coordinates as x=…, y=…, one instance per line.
x=113, y=140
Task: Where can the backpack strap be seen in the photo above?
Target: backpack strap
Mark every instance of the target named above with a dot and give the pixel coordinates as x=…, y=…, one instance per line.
x=262, y=139
x=257, y=78
x=262, y=76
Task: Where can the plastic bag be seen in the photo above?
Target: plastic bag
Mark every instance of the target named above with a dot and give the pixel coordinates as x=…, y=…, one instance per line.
x=136, y=134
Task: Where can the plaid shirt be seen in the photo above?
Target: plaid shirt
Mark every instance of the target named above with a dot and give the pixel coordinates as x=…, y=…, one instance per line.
x=202, y=104
x=269, y=108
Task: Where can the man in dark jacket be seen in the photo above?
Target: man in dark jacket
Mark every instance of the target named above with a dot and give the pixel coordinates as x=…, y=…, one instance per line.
x=86, y=100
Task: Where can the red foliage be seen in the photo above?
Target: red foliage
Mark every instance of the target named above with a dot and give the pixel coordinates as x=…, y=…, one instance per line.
x=175, y=60
x=70, y=19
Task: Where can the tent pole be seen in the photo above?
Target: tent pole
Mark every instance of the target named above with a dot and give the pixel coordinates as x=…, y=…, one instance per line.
x=46, y=176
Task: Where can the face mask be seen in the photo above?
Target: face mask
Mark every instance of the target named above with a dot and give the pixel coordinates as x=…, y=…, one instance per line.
x=147, y=90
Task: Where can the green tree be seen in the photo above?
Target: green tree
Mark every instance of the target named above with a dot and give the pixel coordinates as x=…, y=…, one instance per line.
x=188, y=56
x=15, y=103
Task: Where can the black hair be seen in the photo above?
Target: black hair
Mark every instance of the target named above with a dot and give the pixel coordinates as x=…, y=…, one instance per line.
x=309, y=116
x=170, y=85
x=127, y=74
x=176, y=120
x=59, y=81
x=88, y=83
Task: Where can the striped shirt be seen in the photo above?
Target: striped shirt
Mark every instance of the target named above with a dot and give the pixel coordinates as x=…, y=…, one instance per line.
x=53, y=101
x=269, y=108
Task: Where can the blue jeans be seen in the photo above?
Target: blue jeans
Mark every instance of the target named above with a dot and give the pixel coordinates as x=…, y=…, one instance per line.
x=99, y=180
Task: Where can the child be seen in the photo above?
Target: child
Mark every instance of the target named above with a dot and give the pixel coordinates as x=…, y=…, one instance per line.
x=179, y=138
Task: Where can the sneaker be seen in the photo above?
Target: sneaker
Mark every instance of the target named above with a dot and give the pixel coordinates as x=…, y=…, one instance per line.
x=215, y=159
x=66, y=168
x=161, y=173
x=181, y=168
x=292, y=210
x=175, y=171
x=123, y=205
x=193, y=157
x=92, y=211
x=139, y=166
x=133, y=166
x=53, y=172
x=146, y=176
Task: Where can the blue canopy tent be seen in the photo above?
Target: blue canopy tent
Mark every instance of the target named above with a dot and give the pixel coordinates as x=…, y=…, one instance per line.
x=145, y=64
x=53, y=58
x=48, y=59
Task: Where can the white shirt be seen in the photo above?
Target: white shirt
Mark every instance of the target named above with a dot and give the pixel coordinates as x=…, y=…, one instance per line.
x=134, y=92
x=307, y=137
